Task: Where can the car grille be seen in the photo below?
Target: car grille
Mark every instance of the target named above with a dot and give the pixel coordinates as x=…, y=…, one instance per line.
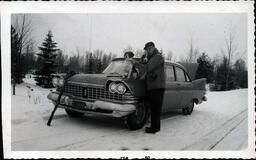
x=92, y=93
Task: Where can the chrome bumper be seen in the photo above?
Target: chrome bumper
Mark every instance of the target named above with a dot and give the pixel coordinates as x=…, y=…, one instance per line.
x=118, y=110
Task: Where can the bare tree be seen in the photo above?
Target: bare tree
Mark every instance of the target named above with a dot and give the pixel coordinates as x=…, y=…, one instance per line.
x=230, y=51
x=23, y=29
x=128, y=48
x=169, y=56
x=192, y=52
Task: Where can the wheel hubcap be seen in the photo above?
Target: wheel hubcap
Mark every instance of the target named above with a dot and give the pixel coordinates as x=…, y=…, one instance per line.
x=190, y=107
x=140, y=113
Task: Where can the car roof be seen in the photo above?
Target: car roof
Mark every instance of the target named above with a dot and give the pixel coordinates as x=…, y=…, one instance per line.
x=167, y=62
x=183, y=65
x=174, y=63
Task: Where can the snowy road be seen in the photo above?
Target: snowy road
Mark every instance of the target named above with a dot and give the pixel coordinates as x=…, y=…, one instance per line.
x=218, y=124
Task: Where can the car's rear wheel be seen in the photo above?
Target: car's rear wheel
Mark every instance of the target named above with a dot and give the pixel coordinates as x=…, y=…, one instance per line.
x=138, y=118
x=72, y=113
x=189, y=109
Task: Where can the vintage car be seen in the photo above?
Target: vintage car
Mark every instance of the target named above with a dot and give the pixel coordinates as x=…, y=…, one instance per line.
x=120, y=92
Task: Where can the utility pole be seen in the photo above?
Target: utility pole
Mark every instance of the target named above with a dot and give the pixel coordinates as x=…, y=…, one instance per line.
x=90, y=35
x=90, y=46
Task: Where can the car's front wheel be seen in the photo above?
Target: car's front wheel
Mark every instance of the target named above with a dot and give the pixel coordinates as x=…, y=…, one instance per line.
x=189, y=109
x=72, y=113
x=138, y=118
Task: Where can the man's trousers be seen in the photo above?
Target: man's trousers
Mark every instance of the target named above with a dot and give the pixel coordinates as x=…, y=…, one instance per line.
x=155, y=99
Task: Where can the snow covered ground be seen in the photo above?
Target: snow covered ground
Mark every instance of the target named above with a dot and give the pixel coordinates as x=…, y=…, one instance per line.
x=218, y=124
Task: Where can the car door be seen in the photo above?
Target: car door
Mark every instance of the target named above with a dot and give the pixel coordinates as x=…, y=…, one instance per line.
x=172, y=94
x=185, y=86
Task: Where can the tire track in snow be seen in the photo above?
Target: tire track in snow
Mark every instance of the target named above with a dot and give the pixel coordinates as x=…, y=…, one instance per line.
x=213, y=146
x=215, y=136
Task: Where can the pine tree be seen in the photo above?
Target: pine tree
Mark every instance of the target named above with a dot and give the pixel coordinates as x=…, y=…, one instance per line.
x=205, y=68
x=47, y=57
x=241, y=79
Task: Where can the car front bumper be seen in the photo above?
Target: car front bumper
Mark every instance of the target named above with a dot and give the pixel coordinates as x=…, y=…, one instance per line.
x=97, y=107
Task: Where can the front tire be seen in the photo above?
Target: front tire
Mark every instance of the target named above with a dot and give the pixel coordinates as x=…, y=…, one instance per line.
x=189, y=109
x=72, y=113
x=137, y=119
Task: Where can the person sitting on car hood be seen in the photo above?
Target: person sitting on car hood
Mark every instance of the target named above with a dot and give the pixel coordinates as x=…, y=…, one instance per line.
x=128, y=65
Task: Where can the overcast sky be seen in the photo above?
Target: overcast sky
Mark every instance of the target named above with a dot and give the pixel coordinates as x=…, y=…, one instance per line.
x=114, y=32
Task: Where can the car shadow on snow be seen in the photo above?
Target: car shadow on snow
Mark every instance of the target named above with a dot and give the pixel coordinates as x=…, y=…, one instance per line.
x=90, y=120
x=101, y=121
x=171, y=114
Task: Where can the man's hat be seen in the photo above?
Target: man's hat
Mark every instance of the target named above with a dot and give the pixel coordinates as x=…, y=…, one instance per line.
x=149, y=44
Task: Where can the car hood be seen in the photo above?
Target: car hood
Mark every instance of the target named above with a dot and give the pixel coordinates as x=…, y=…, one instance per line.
x=98, y=79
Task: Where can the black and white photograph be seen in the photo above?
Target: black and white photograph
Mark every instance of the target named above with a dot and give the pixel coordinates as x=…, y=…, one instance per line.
x=83, y=78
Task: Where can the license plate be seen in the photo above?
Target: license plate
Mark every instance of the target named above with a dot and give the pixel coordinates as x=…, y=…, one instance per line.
x=80, y=105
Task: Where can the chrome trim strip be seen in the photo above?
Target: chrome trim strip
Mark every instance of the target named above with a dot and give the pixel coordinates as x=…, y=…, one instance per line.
x=83, y=111
x=113, y=114
x=128, y=101
x=86, y=84
x=119, y=102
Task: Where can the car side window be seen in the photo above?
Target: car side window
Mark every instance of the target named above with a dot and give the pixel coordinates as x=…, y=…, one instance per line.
x=170, y=73
x=180, y=75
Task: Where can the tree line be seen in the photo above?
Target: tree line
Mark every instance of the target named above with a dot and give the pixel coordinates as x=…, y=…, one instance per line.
x=50, y=60
x=220, y=72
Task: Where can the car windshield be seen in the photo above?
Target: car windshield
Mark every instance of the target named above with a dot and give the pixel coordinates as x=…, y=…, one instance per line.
x=120, y=68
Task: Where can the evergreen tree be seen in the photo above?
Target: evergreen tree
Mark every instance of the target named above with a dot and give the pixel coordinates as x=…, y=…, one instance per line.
x=241, y=75
x=205, y=68
x=221, y=73
x=15, y=69
x=90, y=63
x=47, y=57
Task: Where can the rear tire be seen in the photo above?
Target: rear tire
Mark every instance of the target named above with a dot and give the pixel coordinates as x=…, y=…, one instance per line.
x=189, y=109
x=72, y=113
x=137, y=119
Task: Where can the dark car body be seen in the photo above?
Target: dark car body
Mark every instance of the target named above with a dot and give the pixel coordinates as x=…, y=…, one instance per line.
x=92, y=93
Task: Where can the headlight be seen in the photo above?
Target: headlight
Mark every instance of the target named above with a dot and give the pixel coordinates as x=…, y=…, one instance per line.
x=55, y=81
x=121, y=88
x=112, y=87
x=61, y=82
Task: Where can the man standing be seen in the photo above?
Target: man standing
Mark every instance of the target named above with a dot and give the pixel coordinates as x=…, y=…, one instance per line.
x=155, y=84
